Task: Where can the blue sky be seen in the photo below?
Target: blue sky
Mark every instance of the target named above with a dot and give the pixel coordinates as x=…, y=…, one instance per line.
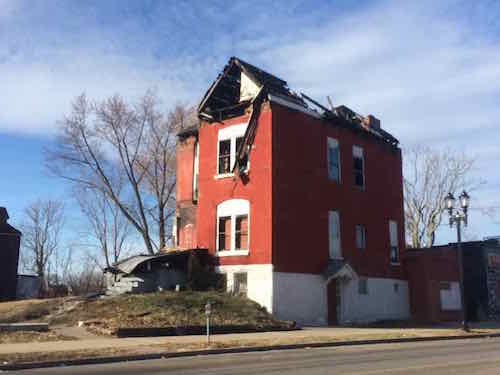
x=429, y=70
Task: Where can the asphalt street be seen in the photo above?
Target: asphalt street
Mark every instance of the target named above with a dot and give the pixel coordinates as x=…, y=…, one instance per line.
x=473, y=356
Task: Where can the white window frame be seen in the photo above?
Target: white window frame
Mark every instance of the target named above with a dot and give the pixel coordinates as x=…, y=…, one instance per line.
x=394, y=240
x=363, y=238
x=357, y=151
x=230, y=133
x=333, y=143
x=233, y=208
x=334, y=236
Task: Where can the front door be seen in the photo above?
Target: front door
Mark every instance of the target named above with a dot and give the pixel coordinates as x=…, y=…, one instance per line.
x=334, y=300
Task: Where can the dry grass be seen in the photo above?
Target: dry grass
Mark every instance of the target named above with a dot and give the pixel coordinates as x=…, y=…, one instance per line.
x=163, y=309
x=30, y=336
x=28, y=310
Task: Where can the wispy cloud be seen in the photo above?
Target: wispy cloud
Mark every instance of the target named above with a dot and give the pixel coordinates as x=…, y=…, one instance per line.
x=430, y=70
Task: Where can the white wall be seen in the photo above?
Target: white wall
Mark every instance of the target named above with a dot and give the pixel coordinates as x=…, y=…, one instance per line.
x=300, y=297
x=381, y=302
x=259, y=282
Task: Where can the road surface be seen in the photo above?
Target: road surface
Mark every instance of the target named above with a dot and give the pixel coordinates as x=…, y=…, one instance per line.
x=478, y=356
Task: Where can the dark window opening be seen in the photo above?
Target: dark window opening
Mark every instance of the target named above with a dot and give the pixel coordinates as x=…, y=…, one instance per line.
x=224, y=233
x=240, y=283
x=359, y=179
x=243, y=162
x=225, y=156
x=241, y=232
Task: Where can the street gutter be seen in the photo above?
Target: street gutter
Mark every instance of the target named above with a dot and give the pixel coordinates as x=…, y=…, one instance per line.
x=165, y=355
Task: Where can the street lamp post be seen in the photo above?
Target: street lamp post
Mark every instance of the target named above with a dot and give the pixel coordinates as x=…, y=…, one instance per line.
x=457, y=217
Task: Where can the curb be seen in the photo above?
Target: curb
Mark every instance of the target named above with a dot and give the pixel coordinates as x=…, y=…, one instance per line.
x=164, y=355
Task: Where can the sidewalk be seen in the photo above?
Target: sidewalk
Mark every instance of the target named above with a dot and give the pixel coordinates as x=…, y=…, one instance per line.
x=307, y=335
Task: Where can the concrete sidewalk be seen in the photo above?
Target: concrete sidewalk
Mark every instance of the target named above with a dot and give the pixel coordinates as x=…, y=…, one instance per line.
x=307, y=335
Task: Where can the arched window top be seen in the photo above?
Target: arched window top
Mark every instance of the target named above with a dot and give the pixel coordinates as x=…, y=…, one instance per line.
x=233, y=207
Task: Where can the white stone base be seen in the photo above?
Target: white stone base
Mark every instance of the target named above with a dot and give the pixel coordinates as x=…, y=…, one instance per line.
x=303, y=297
x=259, y=282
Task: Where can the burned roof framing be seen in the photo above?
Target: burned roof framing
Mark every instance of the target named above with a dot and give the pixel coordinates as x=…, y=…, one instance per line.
x=235, y=90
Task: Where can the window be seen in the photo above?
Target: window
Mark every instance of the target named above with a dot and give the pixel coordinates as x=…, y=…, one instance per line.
x=393, y=233
x=333, y=158
x=224, y=156
x=362, y=286
x=240, y=283
x=224, y=233
x=233, y=235
x=241, y=232
x=230, y=139
x=334, y=235
x=358, y=165
x=360, y=237
x=196, y=168
x=449, y=295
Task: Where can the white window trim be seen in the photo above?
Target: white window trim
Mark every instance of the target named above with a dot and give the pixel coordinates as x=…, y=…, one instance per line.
x=332, y=142
x=196, y=167
x=233, y=208
x=357, y=151
x=230, y=133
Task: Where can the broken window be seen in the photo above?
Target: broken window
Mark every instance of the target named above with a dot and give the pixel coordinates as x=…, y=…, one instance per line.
x=224, y=233
x=230, y=140
x=358, y=164
x=393, y=233
x=360, y=237
x=333, y=159
x=243, y=161
x=240, y=283
x=241, y=232
x=225, y=156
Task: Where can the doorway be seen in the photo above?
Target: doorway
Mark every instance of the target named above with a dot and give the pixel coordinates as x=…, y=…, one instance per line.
x=334, y=302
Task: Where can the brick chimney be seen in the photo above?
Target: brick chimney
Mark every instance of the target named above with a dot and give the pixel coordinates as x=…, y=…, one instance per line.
x=372, y=122
x=4, y=216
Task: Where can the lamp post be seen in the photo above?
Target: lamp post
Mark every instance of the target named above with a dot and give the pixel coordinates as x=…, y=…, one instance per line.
x=458, y=215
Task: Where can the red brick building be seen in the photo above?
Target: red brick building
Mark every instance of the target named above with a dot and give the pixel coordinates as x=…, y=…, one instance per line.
x=301, y=205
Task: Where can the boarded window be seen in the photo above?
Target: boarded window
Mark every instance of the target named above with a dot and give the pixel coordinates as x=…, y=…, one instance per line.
x=393, y=233
x=449, y=294
x=358, y=167
x=240, y=283
x=360, y=237
x=241, y=232
x=224, y=233
x=334, y=235
x=333, y=157
x=362, y=286
x=224, y=156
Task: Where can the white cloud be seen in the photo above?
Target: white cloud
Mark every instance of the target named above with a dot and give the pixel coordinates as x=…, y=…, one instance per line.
x=430, y=70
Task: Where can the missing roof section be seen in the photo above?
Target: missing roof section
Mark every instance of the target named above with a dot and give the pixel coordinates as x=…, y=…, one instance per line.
x=236, y=87
x=235, y=91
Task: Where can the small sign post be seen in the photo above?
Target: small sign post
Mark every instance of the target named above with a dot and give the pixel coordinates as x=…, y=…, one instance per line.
x=208, y=312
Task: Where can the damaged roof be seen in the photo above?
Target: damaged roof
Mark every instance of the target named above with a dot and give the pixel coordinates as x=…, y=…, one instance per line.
x=240, y=83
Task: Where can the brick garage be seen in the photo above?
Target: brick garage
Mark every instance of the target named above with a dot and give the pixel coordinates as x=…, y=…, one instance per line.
x=432, y=275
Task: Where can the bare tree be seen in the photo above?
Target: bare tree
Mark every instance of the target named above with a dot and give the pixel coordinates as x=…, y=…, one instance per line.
x=429, y=176
x=88, y=278
x=102, y=144
x=108, y=227
x=158, y=162
x=41, y=233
